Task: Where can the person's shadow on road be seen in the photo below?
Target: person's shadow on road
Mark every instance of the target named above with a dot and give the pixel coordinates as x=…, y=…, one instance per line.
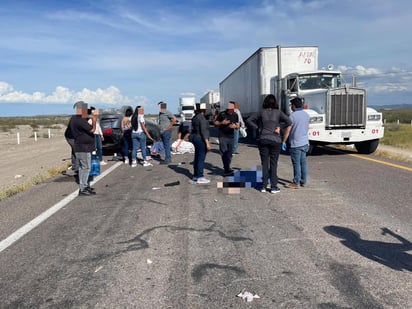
x=393, y=255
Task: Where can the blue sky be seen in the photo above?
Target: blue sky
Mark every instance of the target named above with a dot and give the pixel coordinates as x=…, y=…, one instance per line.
x=118, y=52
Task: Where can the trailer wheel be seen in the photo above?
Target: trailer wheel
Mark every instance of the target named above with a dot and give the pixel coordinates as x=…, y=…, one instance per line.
x=367, y=147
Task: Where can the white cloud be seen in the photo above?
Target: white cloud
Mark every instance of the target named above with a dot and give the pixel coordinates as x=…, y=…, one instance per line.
x=388, y=88
x=380, y=81
x=5, y=88
x=108, y=96
x=359, y=70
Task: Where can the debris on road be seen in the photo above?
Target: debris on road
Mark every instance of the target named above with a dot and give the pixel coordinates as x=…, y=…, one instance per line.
x=171, y=184
x=98, y=268
x=247, y=296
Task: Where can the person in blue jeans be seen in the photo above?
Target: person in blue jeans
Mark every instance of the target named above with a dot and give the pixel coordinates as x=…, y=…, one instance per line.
x=140, y=134
x=166, y=122
x=199, y=137
x=299, y=143
x=236, y=132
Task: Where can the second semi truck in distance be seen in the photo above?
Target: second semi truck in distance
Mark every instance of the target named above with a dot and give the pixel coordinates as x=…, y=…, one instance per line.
x=338, y=111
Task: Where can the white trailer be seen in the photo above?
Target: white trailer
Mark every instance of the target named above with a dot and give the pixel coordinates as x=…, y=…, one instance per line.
x=212, y=100
x=210, y=97
x=339, y=114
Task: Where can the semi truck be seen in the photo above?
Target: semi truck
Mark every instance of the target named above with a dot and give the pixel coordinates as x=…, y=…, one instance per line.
x=187, y=106
x=338, y=110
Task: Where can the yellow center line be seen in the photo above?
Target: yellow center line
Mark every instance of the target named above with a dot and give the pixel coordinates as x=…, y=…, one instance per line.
x=382, y=162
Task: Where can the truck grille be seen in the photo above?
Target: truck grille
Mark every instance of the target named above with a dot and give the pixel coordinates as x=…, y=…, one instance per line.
x=347, y=109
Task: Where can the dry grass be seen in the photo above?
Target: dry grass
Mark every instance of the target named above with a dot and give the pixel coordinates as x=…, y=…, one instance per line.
x=15, y=189
x=398, y=135
x=392, y=156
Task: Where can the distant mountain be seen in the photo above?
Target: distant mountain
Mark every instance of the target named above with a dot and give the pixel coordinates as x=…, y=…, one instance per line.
x=394, y=106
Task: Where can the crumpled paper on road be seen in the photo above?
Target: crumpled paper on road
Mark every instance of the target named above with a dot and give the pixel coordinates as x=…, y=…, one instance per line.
x=247, y=296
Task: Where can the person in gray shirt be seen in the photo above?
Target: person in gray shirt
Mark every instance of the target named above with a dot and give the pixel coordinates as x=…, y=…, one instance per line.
x=166, y=121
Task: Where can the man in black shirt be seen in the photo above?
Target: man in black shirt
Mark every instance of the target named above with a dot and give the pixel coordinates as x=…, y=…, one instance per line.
x=227, y=122
x=84, y=144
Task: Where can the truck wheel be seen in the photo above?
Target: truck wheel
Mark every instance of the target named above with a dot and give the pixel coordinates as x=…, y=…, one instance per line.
x=367, y=147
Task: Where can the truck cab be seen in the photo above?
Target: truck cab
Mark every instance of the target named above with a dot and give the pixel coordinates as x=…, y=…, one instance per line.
x=338, y=111
x=187, y=106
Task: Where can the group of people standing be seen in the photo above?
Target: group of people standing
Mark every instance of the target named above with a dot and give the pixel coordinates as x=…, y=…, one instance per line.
x=135, y=132
x=81, y=133
x=270, y=141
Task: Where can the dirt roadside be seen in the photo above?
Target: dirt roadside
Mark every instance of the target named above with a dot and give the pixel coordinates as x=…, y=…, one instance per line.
x=19, y=163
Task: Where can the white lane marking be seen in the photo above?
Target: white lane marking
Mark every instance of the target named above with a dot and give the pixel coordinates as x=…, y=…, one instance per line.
x=12, y=238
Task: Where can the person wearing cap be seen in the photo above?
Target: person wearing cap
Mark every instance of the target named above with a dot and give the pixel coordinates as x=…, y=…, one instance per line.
x=299, y=143
x=270, y=141
x=199, y=137
x=227, y=121
x=166, y=122
x=84, y=144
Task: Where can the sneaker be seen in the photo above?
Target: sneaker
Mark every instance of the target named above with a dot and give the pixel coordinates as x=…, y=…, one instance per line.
x=126, y=161
x=274, y=190
x=146, y=164
x=292, y=186
x=134, y=163
x=228, y=173
x=103, y=163
x=164, y=162
x=194, y=179
x=263, y=190
x=86, y=192
x=202, y=180
x=302, y=185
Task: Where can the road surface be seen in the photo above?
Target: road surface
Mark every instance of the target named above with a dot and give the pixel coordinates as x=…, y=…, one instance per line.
x=344, y=241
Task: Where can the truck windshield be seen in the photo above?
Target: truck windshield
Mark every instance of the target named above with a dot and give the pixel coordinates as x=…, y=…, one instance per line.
x=188, y=108
x=319, y=81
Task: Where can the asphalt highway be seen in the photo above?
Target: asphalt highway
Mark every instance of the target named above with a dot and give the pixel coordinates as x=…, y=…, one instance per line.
x=151, y=239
